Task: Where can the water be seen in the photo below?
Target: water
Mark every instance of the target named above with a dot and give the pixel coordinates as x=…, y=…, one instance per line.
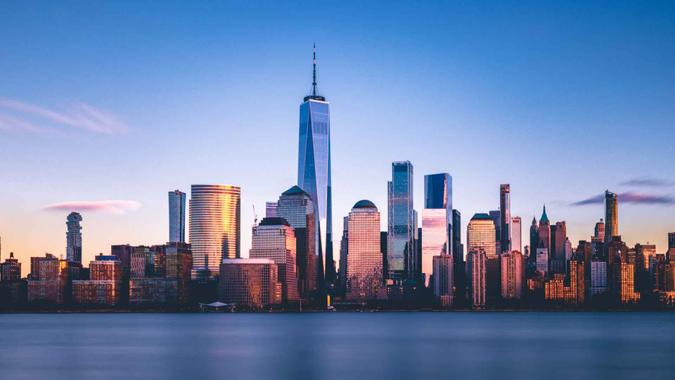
x=458, y=345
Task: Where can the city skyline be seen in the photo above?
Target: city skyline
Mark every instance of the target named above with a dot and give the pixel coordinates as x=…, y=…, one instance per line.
x=29, y=228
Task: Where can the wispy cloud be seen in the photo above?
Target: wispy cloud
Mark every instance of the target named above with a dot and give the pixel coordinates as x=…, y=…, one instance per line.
x=20, y=116
x=648, y=182
x=630, y=197
x=107, y=206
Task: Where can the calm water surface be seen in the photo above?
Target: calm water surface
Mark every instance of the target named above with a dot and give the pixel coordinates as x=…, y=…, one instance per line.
x=338, y=346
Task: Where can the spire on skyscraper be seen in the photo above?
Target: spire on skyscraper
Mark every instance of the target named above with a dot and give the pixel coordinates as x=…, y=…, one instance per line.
x=314, y=95
x=544, y=217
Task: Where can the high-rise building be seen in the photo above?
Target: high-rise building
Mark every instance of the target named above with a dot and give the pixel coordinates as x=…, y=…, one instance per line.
x=480, y=234
x=476, y=269
x=251, y=283
x=516, y=234
x=505, y=215
x=344, y=253
x=314, y=170
x=598, y=276
x=541, y=259
x=671, y=240
x=48, y=279
x=496, y=216
x=104, y=286
x=512, y=275
x=215, y=227
x=437, y=218
x=401, y=250
x=177, y=200
x=599, y=231
x=611, y=215
x=459, y=275
x=543, y=238
x=534, y=242
x=363, y=273
x=296, y=206
x=10, y=270
x=271, y=209
x=443, y=274
x=274, y=239
x=74, y=237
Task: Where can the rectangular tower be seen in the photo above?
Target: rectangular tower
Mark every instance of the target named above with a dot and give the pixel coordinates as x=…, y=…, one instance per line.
x=401, y=248
x=177, y=200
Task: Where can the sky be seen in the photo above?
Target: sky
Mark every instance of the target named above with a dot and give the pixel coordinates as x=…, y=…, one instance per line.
x=110, y=105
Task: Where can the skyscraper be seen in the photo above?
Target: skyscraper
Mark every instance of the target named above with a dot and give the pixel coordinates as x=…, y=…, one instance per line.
x=671, y=240
x=296, y=206
x=505, y=215
x=215, y=227
x=437, y=231
x=516, y=234
x=364, y=260
x=599, y=231
x=401, y=250
x=476, y=270
x=177, y=216
x=480, y=235
x=496, y=216
x=74, y=238
x=512, y=275
x=544, y=233
x=274, y=239
x=314, y=170
x=611, y=215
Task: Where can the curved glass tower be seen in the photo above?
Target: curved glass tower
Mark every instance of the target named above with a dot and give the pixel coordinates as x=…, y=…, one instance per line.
x=314, y=173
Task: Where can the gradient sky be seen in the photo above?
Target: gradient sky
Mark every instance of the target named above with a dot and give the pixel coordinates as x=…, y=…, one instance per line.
x=128, y=100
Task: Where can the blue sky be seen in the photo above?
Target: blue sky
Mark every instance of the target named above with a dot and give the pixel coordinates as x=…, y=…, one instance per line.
x=128, y=100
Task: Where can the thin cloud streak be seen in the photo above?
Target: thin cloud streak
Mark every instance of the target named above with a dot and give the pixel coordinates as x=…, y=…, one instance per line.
x=648, y=182
x=630, y=197
x=16, y=115
x=117, y=207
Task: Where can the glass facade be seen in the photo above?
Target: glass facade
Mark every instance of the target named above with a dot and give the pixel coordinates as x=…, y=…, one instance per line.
x=177, y=216
x=215, y=227
x=611, y=215
x=364, y=260
x=437, y=218
x=74, y=238
x=505, y=215
x=314, y=175
x=401, y=250
x=480, y=235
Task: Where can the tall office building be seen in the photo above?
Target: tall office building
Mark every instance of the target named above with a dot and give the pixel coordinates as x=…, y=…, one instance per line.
x=251, y=283
x=512, y=275
x=544, y=234
x=104, y=285
x=516, y=234
x=496, y=216
x=611, y=215
x=296, y=206
x=480, y=235
x=401, y=250
x=443, y=284
x=671, y=240
x=457, y=249
x=74, y=237
x=364, y=260
x=215, y=227
x=437, y=217
x=177, y=216
x=476, y=269
x=599, y=231
x=314, y=170
x=274, y=239
x=505, y=217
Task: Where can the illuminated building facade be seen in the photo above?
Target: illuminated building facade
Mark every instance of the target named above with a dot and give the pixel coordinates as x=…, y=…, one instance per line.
x=505, y=215
x=251, y=283
x=476, y=269
x=177, y=200
x=363, y=273
x=480, y=235
x=437, y=219
x=402, y=226
x=215, y=227
x=611, y=215
x=74, y=237
x=512, y=275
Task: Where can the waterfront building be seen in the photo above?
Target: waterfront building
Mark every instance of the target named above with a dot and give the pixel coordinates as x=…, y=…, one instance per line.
x=541, y=260
x=123, y=254
x=10, y=270
x=476, y=269
x=611, y=215
x=558, y=238
x=599, y=231
x=402, y=227
x=104, y=286
x=505, y=215
x=443, y=275
x=49, y=280
x=496, y=216
x=544, y=233
x=512, y=275
x=517, y=234
x=250, y=283
x=215, y=227
x=344, y=253
x=480, y=234
x=177, y=200
x=437, y=219
x=296, y=206
x=178, y=269
x=624, y=282
x=314, y=171
x=74, y=237
x=274, y=239
x=363, y=272
x=598, y=276
x=459, y=275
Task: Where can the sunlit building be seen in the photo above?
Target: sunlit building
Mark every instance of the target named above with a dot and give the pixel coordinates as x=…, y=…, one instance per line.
x=505, y=215
x=104, y=286
x=74, y=237
x=314, y=171
x=512, y=275
x=296, y=206
x=599, y=231
x=443, y=285
x=215, y=227
x=251, y=283
x=480, y=235
x=50, y=279
x=274, y=239
x=401, y=250
x=516, y=234
x=363, y=273
x=611, y=215
x=437, y=218
x=476, y=269
x=177, y=216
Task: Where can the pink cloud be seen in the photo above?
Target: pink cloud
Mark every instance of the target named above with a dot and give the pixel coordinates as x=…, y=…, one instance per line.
x=107, y=206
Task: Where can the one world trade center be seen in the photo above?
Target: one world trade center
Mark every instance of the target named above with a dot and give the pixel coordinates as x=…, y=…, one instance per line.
x=314, y=174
